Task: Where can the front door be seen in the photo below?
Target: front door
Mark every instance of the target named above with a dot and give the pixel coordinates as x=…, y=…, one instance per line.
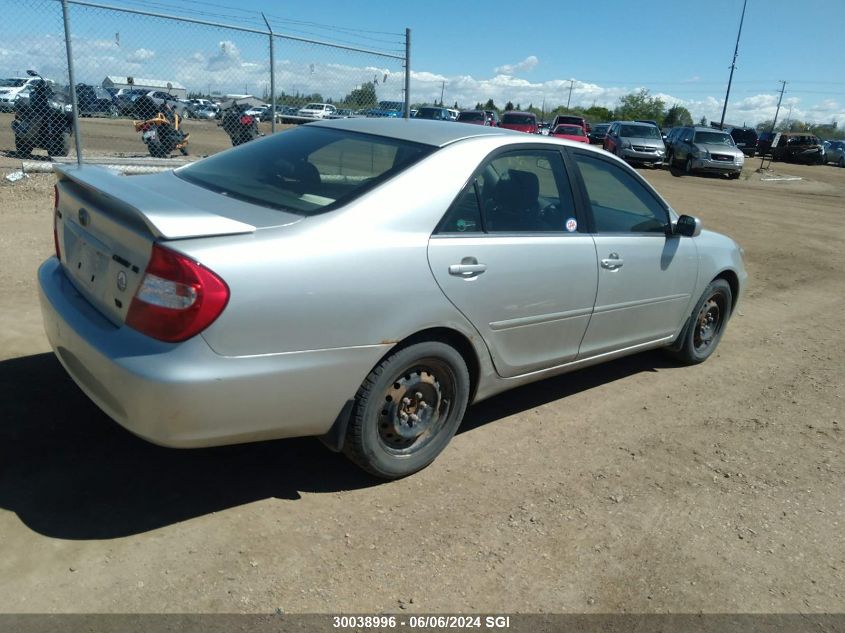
x=645, y=278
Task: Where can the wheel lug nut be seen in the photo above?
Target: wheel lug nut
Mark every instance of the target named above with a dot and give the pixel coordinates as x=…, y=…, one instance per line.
x=403, y=416
x=422, y=405
x=415, y=417
x=418, y=395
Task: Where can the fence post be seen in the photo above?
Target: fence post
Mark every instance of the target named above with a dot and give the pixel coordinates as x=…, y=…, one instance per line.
x=72, y=81
x=407, y=73
x=272, y=77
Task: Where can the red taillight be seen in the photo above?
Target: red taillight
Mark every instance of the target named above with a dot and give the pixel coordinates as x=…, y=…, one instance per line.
x=177, y=299
x=56, y=221
x=246, y=120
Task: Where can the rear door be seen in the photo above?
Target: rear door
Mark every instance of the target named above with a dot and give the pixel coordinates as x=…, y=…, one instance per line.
x=511, y=256
x=645, y=278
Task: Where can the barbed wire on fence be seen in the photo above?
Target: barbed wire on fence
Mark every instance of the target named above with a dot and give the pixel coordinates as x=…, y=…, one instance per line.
x=185, y=84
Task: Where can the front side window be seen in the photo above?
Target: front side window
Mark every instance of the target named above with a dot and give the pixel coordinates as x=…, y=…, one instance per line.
x=306, y=170
x=619, y=202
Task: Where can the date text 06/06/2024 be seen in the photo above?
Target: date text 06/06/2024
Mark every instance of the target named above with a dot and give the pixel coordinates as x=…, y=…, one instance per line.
x=421, y=621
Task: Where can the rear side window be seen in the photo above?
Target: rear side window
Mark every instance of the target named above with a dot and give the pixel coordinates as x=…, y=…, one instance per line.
x=306, y=170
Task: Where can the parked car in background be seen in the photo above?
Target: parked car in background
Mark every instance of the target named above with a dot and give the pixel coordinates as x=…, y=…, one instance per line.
x=635, y=142
x=476, y=117
x=93, y=100
x=706, y=149
x=573, y=119
x=835, y=153
x=543, y=128
x=799, y=147
x=161, y=99
x=655, y=124
x=125, y=99
x=13, y=88
x=570, y=132
x=222, y=326
x=207, y=113
x=745, y=139
x=393, y=109
x=492, y=118
x=453, y=114
x=598, y=132
x=764, y=143
x=435, y=113
x=317, y=110
x=520, y=121
x=672, y=137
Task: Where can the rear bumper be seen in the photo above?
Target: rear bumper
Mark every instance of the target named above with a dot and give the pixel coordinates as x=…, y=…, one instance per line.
x=185, y=395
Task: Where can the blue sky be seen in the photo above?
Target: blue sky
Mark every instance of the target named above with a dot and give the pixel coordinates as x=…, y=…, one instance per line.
x=505, y=50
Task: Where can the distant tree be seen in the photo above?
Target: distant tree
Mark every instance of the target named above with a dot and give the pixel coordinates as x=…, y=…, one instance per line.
x=455, y=107
x=508, y=106
x=489, y=105
x=703, y=120
x=640, y=105
x=764, y=126
x=677, y=116
x=519, y=107
x=478, y=105
x=598, y=114
x=363, y=96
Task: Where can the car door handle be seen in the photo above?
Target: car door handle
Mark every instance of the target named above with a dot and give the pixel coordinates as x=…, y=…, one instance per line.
x=469, y=266
x=612, y=262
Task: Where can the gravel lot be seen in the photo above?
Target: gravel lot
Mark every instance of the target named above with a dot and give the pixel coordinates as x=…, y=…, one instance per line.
x=635, y=486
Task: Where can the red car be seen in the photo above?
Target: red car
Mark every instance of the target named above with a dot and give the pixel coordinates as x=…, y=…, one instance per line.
x=570, y=132
x=520, y=121
x=571, y=119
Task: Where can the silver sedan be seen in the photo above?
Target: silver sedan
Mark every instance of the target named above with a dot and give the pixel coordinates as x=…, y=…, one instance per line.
x=365, y=280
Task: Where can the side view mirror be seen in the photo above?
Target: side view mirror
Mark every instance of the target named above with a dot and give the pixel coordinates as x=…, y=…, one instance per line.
x=688, y=226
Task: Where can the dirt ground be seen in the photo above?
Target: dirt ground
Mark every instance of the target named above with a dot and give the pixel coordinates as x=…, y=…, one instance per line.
x=635, y=486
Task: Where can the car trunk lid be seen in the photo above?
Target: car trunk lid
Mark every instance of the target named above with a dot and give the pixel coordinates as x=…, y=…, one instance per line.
x=106, y=225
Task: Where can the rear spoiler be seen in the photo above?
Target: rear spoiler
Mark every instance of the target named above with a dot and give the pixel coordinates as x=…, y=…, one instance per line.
x=164, y=217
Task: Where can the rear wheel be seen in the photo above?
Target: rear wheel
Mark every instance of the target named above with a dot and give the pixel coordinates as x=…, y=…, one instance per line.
x=706, y=325
x=22, y=147
x=408, y=409
x=60, y=145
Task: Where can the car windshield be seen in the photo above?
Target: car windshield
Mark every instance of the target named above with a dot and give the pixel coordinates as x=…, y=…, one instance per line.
x=572, y=130
x=306, y=170
x=639, y=131
x=518, y=119
x=713, y=138
x=471, y=116
x=12, y=83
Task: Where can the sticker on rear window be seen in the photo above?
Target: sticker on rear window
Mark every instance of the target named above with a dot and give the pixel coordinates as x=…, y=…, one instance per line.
x=571, y=225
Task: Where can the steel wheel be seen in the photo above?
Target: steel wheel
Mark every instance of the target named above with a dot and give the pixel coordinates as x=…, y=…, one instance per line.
x=703, y=331
x=407, y=409
x=708, y=324
x=416, y=406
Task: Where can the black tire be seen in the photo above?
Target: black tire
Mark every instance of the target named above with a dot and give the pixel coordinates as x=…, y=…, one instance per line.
x=733, y=175
x=60, y=145
x=688, y=166
x=22, y=147
x=841, y=162
x=429, y=380
x=706, y=325
x=156, y=149
x=670, y=159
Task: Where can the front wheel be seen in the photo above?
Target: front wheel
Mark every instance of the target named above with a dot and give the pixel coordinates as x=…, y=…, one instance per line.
x=22, y=147
x=707, y=323
x=407, y=409
x=688, y=166
x=60, y=145
x=841, y=162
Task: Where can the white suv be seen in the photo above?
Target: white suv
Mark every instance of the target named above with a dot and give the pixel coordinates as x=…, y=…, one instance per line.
x=317, y=110
x=12, y=88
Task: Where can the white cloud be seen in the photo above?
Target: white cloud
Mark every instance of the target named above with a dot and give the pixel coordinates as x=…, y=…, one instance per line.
x=526, y=65
x=140, y=55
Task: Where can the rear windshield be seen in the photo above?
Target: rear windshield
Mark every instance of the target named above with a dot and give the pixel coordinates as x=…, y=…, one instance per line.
x=743, y=135
x=519, y=119
x=306, y=170
x=471, y=116
x=574, y=120
x=713, y=138
x=639, y=131
x=571, y=130
x=429, y=113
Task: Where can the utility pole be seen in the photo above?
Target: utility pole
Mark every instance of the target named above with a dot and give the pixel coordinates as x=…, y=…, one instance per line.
x=733, y=66
x=571, y=83
x=442, y=88
x=780, y=98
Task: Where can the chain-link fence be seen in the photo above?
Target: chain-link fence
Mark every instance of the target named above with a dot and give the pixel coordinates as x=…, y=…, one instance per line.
x=130, y=82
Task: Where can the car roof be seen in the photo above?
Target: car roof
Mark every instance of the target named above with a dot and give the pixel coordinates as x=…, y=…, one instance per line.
x=423, y=131
x=518, y=112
